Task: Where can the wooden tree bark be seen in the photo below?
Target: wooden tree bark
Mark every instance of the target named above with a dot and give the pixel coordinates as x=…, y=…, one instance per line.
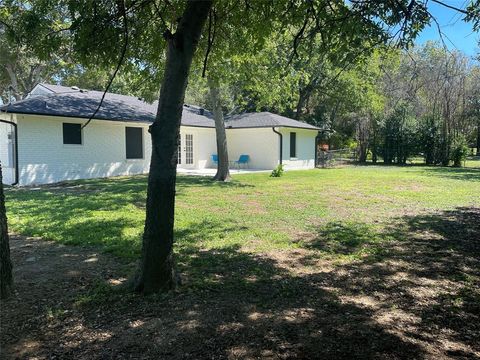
x=14, y=83
x=362, y=136
x=223, y=171
x=156, y=271
x=6, y=278
x=374, y=147
x=303, y=97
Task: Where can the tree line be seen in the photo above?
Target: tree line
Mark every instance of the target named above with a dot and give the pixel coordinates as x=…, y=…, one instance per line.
x=390, y=105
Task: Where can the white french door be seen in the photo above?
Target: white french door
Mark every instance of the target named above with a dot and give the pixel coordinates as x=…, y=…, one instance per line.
x=185, y=151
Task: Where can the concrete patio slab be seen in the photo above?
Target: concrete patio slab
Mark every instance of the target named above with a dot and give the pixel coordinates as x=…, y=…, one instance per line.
x=212, y=172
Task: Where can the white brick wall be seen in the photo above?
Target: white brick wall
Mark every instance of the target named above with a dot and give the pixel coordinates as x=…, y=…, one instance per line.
x=43, y=158
x=305, y=158
x=261, y=144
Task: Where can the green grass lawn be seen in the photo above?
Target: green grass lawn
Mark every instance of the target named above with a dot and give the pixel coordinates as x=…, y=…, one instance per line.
x=347, y=209
x=473, y=162
x=378, y=261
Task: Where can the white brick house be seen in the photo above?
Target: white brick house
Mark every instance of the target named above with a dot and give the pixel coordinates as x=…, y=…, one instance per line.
x=51, y=146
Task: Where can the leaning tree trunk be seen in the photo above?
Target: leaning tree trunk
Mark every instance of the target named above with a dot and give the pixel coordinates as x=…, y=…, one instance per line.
x=6, y=279
x=374, y=147
x=14, y=83
x=303, y=97
x=156, y=271
x=223, y=172
x=362, y=135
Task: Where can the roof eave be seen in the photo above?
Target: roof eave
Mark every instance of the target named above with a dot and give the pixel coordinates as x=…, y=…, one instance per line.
x=269, y=127
x=72, y=116
x=96, y=118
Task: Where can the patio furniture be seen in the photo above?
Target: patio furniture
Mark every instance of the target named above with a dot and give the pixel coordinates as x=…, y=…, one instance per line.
x=215, y=159
x=242, y=160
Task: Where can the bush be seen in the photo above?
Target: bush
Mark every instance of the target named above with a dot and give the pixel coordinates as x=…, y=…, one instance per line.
x=459, y=151
x=278, y=171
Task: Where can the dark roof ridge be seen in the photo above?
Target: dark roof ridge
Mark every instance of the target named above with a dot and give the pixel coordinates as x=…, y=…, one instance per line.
x=265, y=119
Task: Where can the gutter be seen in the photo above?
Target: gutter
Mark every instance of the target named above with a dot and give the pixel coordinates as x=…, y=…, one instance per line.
x=15, y=149
x=317, y=138
x=281, y=143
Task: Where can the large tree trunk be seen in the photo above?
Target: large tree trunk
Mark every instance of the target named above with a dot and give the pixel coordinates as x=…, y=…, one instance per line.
x=374, y=147
x=156, y=271
x=303, y=97
x=363, y=139
x=17, y=93
x=223, y=172
x=6, y=279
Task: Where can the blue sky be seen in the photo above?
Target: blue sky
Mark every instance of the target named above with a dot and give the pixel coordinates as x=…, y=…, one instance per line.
x=458, y=34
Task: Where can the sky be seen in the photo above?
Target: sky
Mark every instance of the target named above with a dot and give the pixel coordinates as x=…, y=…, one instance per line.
x=458, y=34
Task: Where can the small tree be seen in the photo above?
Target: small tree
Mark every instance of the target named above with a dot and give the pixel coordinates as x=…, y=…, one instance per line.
x=459, y=151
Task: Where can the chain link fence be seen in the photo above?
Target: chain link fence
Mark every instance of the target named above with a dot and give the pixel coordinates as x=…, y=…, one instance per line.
x=334, y=158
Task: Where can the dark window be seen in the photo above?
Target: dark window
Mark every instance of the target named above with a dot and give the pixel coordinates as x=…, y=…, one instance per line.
x=134, y=142
x=293, y=144
x=72, y=134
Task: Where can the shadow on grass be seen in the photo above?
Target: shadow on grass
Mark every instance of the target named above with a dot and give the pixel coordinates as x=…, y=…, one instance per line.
x=233, y=304
x=408, y=303
x=468, y=174
x=464, y=173
x=445, y=248
x=426, y=266
x=186, y=181
x=96, y=212
x=122, y=185
x=348, y=239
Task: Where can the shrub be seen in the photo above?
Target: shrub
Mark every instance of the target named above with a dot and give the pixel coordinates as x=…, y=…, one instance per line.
x=278, y=171
x=459, y=151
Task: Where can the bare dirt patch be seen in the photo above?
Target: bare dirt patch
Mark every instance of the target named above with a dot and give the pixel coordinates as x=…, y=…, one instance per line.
x=419, y=299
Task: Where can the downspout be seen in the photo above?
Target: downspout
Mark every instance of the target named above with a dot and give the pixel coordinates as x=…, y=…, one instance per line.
x=15, y=149
x=281, y=143
x=317, y=138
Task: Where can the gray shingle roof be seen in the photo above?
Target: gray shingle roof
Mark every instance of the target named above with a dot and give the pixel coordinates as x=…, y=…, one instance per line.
x=264, y=119
x=58, y=88
x=71, y=102
x=115, y=107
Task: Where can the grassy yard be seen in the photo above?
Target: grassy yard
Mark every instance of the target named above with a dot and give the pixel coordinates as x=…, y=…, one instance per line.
x=348, y=207
x=395, y=245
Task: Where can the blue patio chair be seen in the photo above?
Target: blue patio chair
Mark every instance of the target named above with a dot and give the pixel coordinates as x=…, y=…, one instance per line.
x=242, y=160
x=215, y=159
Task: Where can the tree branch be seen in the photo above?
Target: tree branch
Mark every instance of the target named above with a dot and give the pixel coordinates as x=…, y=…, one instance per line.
x=211, y=37
x=159, y=13
x=451, y=7
x=120, y=61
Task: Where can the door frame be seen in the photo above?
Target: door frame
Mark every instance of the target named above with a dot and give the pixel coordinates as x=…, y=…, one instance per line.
x=183, y=151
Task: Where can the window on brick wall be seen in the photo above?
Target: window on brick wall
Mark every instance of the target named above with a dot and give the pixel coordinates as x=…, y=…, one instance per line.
x=293, y=144
x=72, y=134
x=134, y=142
